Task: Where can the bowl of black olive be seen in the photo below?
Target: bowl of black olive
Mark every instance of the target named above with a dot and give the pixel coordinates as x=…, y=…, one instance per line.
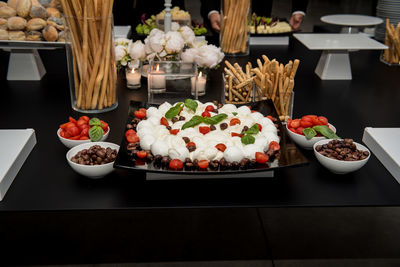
x=94, y=159
x=341, y=156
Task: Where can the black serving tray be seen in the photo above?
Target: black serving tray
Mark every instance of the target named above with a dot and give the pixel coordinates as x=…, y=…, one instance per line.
x=290, y=155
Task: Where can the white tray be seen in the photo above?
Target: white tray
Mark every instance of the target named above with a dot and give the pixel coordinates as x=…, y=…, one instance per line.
x=385, y=144
x=15, y=148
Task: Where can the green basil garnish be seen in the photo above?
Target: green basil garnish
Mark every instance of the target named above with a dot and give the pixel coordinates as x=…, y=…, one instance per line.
x=309, y=133
x=252, y=130
x=215, y=119
x=94, y=122
x=96, y=133
x=191, y=104
x=173, y=111
x=195, y=120
x=325, y=131
x=234, y=113
x=248, y=139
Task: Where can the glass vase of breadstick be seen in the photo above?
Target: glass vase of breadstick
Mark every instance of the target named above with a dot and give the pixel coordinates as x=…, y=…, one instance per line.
x=90, y=54
x=391, y=56
x=235, y=33
x=271, y=79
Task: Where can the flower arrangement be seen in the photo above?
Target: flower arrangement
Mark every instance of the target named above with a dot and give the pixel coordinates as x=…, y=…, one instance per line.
x=179, y=43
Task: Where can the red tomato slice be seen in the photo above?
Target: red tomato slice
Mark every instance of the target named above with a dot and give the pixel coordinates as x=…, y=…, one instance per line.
x=176, y=164
x=104, y=125
x=191, y=144
x=72, y=119
x=316, y=121
x=300, y=130
x=84, y=126
x=75, y=137
x=86, y=118
x=174, y=131
x=62, y=133
x=164, y=121
x=295, y=123
x=236, y=134
x=84, y=137
x=204, y=129
x=288, y=121
x=85, y=132
x=292, y=129
x=234, y=121
x=81, y=122
x=270, y=117
x=209, y=108
x=274, y=146
x=221, y=147
x=203, y=164
x=64, y=125
x=259, y=127
x=306, y=123
x=206, y=114
x=141, y=154
x=132, y=138
x=73, y=131
x=140, y=114
x=323, y=120
x=261, y=158
x=129, y=132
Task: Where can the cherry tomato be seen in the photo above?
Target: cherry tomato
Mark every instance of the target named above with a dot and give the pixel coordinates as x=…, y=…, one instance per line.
x=62, y=133
x=261, y=158
x=307, y=118
x=84, y=126
x=288, y=121
x=221, y=147
x=73, y=131
x=67, y=135
x=132, y=138
x=191, y=144
x=143, y=109
x=174, y=131
x=129, y=132
x=85, y=132
x=299, y=130
x=64, y=125
x=141, y=154
x=84, y=137
x=206, y=114
x=270, y=117
x=316, y=121
x=292, y=129
x=210, y=108
x=176, y=164
x=295, y=123
x=75, y=137
x=310, y=116
x=305, y=123
x=140, y=114
x=203, y=164
x=323, y=120
x=164, y=121
x=69, y=125
x=234, y=121
x=86, y=118
x=81, y=122
x=72, y=119
x=104, y=125
x=204, y=129
x=274, y=146
x=259, y=127
x=236, y=134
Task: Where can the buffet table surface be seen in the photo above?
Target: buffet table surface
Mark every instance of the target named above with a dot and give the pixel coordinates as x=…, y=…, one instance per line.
x=50, y=214
x=46, y=182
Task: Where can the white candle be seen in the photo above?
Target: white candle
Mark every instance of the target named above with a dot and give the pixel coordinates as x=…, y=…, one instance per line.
x=133, y=78
x=199, y=84
x=158, y=79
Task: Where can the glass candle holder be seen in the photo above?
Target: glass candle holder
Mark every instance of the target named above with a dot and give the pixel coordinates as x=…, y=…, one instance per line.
x=199, y=84
x=133, y=76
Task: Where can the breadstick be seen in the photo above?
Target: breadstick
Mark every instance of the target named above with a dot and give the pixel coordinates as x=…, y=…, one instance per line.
x=240, y=71
x=257, y=72
x=260, y=65
x=244, y=83
x=294, y=70
x=233, y=70
x=266, y=59
x=235, y=80
x=230, y=88
x=237, y=94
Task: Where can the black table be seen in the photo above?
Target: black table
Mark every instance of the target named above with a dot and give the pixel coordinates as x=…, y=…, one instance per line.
x=47, y=197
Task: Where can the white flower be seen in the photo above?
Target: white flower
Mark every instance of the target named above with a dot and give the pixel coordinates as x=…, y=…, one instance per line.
x=208, y=56
x=174, y=26
x=187, y=35
x=175, y=42
x=156, y=41
x=137, y=50
x=120, y=52
x=189, y=55
x=122, y=41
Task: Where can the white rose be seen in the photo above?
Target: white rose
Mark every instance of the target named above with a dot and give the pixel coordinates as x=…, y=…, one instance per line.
x=174, y=26
x=137, y=50
x=188, y=35
x=156, y=40
x=189, y=55
x=175, y=42
x=209, y=56
x=120, y=52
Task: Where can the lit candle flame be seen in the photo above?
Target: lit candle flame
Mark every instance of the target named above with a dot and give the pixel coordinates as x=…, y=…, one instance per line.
x=133, y=70
x=158, y=67
x=200, y=74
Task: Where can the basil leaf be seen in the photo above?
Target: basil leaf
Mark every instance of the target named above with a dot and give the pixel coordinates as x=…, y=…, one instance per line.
x=325, y=131
x=215, y=119
x=309, y=133
x=195, y=120
x=248, y=139
x=234, y=113
x=94, y=122
x=252, y=130
x=173, y=111
x=95, y=133
x=191, y=104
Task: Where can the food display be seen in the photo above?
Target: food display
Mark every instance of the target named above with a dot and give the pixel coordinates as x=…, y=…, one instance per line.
x=95, y=155
x=29, y=20
x=191, y=135
x=273, y=81
x=84, y=129
x=234, y=29
x=342, y=150
x=94, y=70
x=311, y=126
x=392, y=40
x=178, y=15
x=264, y=25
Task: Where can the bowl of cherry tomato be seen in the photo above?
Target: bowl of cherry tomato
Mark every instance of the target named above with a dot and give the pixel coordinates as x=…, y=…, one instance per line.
x=310, y=129
x=84, y=130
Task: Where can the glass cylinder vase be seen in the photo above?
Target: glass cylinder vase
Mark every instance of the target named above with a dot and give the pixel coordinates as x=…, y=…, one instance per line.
x=90, y=55
x=235, y=31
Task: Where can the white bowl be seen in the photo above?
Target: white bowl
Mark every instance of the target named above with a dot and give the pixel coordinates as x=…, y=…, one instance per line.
x=71, y=143
x=302, y=141
x=340, y=166
x=91, y=171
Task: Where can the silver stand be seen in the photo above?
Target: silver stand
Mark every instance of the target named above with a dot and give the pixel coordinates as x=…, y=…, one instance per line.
x=25, y=65
x=167, y=17
x=334, y=65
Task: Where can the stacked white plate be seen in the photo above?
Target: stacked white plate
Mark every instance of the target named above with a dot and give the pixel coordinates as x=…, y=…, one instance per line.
x=387, y=9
